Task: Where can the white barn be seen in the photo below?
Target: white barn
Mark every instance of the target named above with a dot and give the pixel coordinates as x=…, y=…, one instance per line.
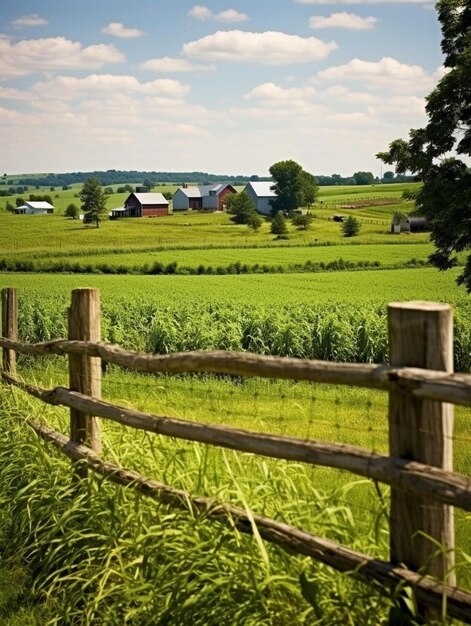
x=35, y=208
x=261, y=194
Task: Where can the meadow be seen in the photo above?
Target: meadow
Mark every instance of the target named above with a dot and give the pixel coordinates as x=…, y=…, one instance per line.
x=106, y=556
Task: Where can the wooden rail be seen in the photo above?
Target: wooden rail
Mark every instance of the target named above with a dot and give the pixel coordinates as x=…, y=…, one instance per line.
x=419, y=383
x=414, y=381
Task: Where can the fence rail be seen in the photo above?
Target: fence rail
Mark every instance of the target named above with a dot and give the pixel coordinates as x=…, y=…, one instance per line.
x=420, y=437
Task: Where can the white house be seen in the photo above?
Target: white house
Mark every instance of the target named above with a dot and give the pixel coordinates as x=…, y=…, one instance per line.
x=261, y=194
x=35, y=208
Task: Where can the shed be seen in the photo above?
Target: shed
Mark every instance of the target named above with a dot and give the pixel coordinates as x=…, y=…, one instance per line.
x=35, y=208
x=261, y=194
x=410, y=224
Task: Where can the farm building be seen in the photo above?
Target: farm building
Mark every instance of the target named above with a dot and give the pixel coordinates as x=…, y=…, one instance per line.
x=261, y=194
x=141, y=205
x=34, y=208
x=202, y=198
x=410, y=225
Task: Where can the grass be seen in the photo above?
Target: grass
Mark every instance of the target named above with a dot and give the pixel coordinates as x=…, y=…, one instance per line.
x=133, y=562
x=353, y=288
x=284, y=257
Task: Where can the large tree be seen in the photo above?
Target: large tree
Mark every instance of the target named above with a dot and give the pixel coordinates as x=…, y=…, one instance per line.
x=93, y=202
x=292, y=185
x=433, y=152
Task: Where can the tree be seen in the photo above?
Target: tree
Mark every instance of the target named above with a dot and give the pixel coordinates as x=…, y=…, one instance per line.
x=363, y=178
x=309, y=188
x=302, y=222
x=241, y=208
x=72, y=211
x=287, y=186
x=93, y=202
x=279, y=226
x=19, y=201
x=350, y=227
x=444, y=198
x=388, y=176
x=9, y=207
x=148, y=183
x=254, y=221
x=167, y=195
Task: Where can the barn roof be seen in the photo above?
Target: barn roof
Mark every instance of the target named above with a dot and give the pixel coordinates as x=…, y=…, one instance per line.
x=38, y=204
x=191, y=192
x=150, y=198
x=262, y=188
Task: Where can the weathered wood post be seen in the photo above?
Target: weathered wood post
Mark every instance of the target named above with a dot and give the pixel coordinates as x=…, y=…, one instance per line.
x=9, y=328
x=421, y=335
x=85, y=371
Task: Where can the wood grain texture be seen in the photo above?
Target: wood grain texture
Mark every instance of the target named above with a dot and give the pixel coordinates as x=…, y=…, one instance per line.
x=411, y=477
x=9, y=327
x=84, y=370
x=418, y=382
x=420, y=335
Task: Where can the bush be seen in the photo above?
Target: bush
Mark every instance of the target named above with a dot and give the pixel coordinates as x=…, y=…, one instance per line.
x=279, y=226
x=350, y=227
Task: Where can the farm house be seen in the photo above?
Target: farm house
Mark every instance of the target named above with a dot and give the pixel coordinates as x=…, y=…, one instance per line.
x=261, y=195
x=202, y=198
x=35, y=208
x=141, y=205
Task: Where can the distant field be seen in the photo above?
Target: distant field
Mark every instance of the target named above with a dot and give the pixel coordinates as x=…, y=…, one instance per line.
x=283, y=257
x=50, y=234
x=367, y=286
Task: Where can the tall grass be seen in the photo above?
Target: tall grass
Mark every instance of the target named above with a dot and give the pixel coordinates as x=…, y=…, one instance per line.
x=100, y=554
x=328, y=332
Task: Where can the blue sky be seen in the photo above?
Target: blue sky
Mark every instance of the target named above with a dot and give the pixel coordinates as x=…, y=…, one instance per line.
x=224, y=87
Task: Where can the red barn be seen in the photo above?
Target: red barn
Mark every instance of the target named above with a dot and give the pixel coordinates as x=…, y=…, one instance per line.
x=145, y=205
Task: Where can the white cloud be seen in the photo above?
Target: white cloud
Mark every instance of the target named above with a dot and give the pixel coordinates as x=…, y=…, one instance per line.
x=387, y=73
x=269, y=48
x=318, y=2
x=117, y=29
x=70, y=88
x=6, y=93
x=200, y=12
x=38, y=55
x=29, y=20
x=170, y=64
x=349, y=21
x=229, y=16
x=270, y=91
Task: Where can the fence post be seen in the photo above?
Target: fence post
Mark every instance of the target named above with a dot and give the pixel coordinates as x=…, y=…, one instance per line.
x=85, y=371
x=421, y=335
x=9, y=328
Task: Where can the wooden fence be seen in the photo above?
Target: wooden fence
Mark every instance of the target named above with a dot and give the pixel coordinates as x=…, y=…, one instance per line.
x=422, y=390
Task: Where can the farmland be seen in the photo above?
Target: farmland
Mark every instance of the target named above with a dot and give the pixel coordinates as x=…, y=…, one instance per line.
x=127, y=548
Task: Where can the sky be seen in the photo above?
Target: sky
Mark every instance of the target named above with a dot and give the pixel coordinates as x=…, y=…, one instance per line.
x=225, y=87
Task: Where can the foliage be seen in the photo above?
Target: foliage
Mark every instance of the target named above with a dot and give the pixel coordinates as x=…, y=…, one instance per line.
x=350, y=226
x=388, y=177
x=254, y=221
x=302, y=222
x=241, y=208
x=9, y=207
x=409, y=194
x=279, y=226
x=168, y=195
x=72, y=211
x=363, y=178
x=93, y=202
x=19, y=201
x=398, y=217
x=292, y=185
x=445, y=198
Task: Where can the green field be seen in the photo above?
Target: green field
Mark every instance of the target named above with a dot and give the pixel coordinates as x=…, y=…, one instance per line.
x=110, y=557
